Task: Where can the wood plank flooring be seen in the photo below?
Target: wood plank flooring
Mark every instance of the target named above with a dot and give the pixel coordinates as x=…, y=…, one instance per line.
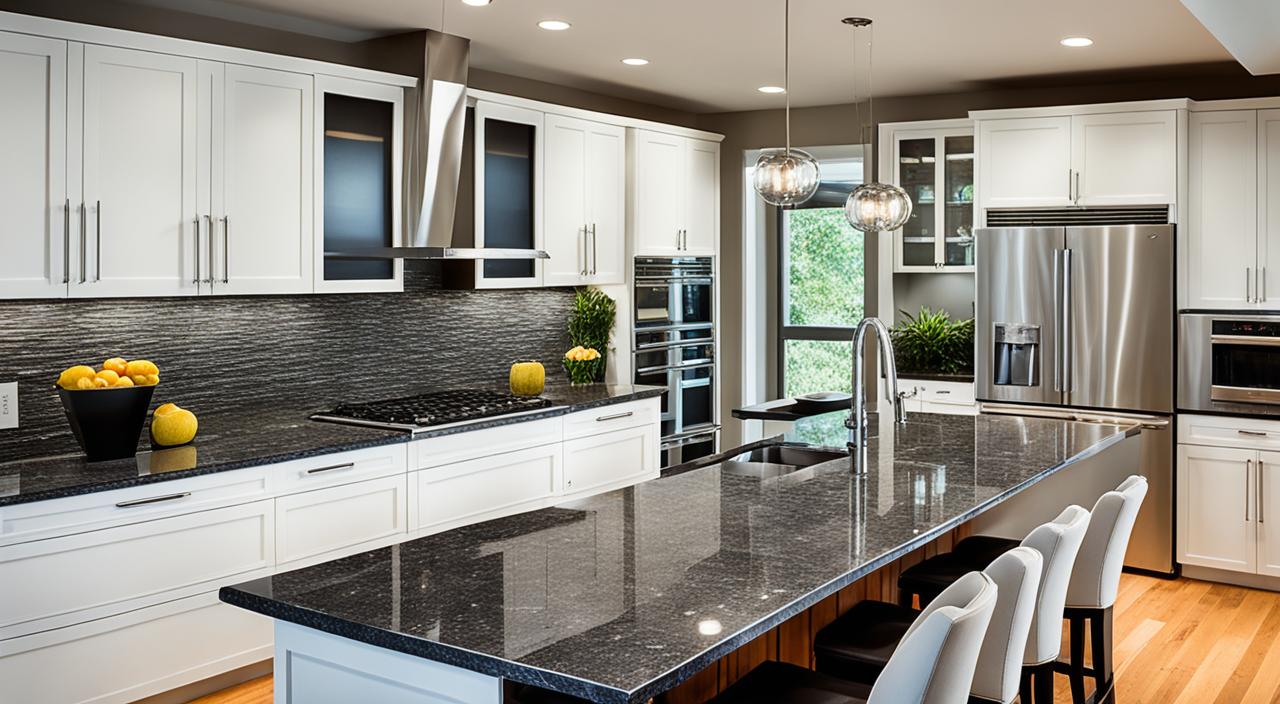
x=1176, y=642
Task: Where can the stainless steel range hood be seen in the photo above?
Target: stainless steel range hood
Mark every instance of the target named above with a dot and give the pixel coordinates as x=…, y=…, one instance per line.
x=436, y=135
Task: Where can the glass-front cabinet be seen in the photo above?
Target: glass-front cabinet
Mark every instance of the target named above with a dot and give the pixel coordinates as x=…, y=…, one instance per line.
x=935, y=167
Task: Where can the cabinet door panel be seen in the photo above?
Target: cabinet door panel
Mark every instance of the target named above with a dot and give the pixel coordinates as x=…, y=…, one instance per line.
x=1126, y=158
x=1216, y=515
x=565, y=193
x=140, y=126
x=1222, y=232
x=485, y=488
x=1268, y=207
x=702, y=205
x=602, y=462
x=1025, y=162
x=658, y=210
x=263, y=242
x=33, y=175
x=606, y=202
x=337, y=519
x=1268, y=504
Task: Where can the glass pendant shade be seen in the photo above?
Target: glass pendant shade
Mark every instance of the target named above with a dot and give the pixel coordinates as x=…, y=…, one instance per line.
x=786, y=177
x=877, y=207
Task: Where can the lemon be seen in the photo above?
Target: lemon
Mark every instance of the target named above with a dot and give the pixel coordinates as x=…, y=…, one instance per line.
x=141, y=366
x=152, y=380
x=100, y=383
x=84, y=383
x=124, y=381
x=70, y=378
x=176, y=427
x=110, y=376
x=117, y=365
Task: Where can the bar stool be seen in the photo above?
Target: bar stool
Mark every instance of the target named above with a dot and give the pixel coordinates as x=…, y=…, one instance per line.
x=933, y=664
x=858, y=644
x=849, y=650
x=1095, y=581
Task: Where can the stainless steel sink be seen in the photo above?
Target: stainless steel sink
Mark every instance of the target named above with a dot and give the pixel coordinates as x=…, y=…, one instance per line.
x=792, y=455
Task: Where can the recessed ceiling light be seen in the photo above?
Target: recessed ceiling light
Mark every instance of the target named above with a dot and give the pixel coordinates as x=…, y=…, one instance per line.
x=1076, y=41
x=554, y=25
x=772, y=89
x=476, y=3
x=635, y=62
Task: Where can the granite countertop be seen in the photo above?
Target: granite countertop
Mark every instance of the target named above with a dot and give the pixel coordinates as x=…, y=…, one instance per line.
x=252, y=437
x=652, y=583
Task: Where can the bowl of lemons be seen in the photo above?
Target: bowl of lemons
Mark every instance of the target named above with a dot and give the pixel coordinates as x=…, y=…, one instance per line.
x=107, y=407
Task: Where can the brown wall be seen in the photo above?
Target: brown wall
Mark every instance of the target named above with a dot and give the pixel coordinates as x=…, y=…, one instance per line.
x=836, y=124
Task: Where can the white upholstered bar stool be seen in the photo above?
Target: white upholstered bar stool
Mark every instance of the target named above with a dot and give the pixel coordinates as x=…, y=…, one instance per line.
x=1095, y=582
x=934, y=663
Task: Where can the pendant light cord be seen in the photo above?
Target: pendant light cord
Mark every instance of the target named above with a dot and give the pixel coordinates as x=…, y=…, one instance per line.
x=871, y=94
x=857, y=107
x=786, y=66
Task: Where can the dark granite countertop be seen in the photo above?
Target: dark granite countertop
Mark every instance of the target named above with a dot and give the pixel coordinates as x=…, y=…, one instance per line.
x=252, y=437
x=658, y=580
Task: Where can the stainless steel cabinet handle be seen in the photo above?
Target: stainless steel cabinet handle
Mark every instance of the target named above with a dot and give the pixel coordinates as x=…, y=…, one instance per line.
x=1248, y=468
x=1248, y=288
x=583, y=270
x=196, y=279
x=1077, y=200
x=226, y=249
x=1264, y=284
x=208, y=228
x=331, y=468
x=1252, y=433
x=153, y=500
x=1071, y=196
x=84, y=245
x=595, y=253
x=1261, y=500
x=66, y=242
x=97, y=235
x=615, y=416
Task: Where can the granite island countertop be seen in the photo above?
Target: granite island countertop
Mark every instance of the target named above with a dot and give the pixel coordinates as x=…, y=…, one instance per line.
x=256, y=436
x=626, y=594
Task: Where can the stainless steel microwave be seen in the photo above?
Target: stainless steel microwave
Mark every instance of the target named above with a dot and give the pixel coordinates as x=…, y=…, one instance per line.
x=1231, y=358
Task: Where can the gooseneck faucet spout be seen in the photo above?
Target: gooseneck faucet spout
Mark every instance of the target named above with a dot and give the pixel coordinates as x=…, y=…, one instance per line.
x=857, y=422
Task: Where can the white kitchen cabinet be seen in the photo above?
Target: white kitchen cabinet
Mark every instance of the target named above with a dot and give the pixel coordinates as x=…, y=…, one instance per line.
x=610, y=460
x=1222, y=223
x=258, y=232
x=33, y=176
x=1268, y=208
x=340, y=518
x=935, y=165
x=1125, y=158
x=1087, y=159
x=508, y=192
x=675, y=198
x=1025, y=162
x=584, y=196
x=138, y=218
x=482, y=489
x=1268, y=503
x=1216, y=514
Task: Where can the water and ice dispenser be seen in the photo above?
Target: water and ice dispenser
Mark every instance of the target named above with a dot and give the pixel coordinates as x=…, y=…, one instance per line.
x=1017, y=354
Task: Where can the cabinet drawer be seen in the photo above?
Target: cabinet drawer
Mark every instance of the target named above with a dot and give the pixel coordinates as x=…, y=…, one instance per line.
x=612, y=417
x=134, y=655
x=341, y=468
x=946, y=392
x=338, y=518
x=471, y=444
x=611, y=460
x=60, y=581
x=489, y=487
x=77, y=514
x=1225, y=431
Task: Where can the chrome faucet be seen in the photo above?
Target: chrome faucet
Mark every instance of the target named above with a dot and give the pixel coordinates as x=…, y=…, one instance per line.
x=857, y=422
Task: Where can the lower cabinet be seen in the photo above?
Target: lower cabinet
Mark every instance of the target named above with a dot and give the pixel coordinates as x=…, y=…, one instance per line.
x=944, y=397
x=342, y=518
x=603, y=462
x=484, y=488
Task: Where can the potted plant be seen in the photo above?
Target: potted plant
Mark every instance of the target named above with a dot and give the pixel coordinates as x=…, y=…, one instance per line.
x=590, y=324
x=930, y=342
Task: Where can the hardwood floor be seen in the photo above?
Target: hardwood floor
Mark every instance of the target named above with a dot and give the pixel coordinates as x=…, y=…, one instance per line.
x=1176, y=642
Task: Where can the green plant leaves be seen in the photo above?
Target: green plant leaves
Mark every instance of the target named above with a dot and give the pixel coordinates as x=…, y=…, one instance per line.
x=590, y=323
x=931, y=342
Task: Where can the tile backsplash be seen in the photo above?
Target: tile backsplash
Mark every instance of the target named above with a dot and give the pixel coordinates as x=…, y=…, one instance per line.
x=219, y=354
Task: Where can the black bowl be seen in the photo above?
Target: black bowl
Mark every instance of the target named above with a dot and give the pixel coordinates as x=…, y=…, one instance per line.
x=107, y=422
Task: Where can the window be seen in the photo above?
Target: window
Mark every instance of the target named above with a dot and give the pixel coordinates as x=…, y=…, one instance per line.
x=821, y=287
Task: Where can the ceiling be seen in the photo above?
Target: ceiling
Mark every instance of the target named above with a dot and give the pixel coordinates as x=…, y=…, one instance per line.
x=711, y=55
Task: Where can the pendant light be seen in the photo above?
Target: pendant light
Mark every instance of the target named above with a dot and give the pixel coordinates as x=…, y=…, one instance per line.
x=872, y=206
x=786, y=177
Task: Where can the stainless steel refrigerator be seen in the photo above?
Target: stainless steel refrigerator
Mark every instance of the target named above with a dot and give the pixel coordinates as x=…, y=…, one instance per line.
x=1079, y=322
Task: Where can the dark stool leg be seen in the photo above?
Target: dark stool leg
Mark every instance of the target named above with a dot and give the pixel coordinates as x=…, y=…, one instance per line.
x=1075, y=673
x=1100, y=642
x=1044, y=683
x=1024, y=686
x=906, y=598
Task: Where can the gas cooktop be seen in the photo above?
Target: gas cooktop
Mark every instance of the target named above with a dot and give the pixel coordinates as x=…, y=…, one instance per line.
x=432, y=410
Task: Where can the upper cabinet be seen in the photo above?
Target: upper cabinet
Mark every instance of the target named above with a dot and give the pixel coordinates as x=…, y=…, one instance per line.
x=508, y=192
x=1087, y=159
x=1233, y=234
x=935, y=165
x=675, y=194
x=38, y=214
x=584, y=202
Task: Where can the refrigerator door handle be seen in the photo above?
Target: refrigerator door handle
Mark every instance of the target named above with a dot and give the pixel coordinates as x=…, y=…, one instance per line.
x=1142, y=420
x=1057, y=319
x=1068, y=383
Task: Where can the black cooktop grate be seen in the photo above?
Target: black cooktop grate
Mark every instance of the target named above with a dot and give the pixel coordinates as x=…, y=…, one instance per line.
x=438, y=407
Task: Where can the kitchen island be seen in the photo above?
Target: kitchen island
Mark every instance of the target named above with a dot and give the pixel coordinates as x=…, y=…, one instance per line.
x=624, y=595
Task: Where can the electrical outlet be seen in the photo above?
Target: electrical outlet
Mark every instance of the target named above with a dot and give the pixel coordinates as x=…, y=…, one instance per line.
x=9, y=405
